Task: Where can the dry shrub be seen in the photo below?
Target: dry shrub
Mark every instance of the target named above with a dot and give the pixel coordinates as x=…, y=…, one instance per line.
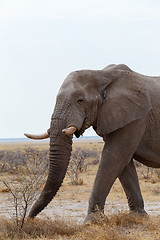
x=157, y=172
x=37, y=228
x=79, y=161
x=48, y=227
x=126, y=220
x=116, y=227
x=24, y=187
x=149, y=174
x=14, y=162
x=121, y=226
x=96, y=232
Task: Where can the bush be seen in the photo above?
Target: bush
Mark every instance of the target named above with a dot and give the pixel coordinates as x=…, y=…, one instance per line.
x=80, y=159
x=37, y=229
x=14, y=162
x=118, y=226
x=23, y=188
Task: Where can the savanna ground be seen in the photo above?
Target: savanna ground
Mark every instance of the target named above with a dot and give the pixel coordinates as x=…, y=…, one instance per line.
x=63, y=218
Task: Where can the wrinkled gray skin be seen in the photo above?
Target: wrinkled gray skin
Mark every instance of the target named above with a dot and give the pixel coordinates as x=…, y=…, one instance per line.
x=124, y=108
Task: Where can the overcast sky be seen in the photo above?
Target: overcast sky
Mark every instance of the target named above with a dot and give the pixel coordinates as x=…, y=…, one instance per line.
x=42, y=41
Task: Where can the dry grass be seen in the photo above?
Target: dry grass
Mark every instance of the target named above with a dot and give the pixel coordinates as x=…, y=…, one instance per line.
x=40, y=145
x=117, y=227
x=44, y=145
x=36, y=229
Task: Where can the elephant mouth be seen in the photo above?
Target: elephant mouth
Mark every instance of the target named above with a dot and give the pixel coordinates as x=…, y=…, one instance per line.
x=72, y=129
x=80, y=132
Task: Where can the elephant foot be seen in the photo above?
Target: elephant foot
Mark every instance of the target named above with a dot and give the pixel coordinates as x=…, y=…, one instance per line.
x=95, y=217
x=141, y=213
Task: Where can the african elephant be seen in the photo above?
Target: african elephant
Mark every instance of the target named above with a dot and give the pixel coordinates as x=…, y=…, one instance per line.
x=123, y=107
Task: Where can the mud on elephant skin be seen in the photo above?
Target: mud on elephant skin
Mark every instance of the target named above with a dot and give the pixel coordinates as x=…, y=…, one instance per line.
x=123, y=107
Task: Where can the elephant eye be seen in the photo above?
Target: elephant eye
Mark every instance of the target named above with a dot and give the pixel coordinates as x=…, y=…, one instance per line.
x=80, y=101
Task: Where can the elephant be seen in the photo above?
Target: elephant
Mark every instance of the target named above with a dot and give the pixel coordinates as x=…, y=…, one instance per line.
x=123, y=107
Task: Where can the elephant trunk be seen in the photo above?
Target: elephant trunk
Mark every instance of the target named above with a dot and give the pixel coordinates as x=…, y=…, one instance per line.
x=60, y=151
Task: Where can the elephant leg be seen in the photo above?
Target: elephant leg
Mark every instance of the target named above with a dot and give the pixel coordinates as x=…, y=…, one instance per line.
x=129, y=181
x=119, y=148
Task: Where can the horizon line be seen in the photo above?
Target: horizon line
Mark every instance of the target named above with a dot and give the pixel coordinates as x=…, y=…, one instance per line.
x=22, y=138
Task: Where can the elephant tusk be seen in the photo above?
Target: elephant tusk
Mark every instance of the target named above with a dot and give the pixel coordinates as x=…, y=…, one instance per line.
x=37, y=137
x=69, y=130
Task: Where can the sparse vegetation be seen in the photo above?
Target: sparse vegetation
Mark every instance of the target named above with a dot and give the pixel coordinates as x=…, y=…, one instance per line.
x=80, y=159
x=23, y=188
x=120, y=226
x=149, y=174
x=20, y=169
x=14, y=162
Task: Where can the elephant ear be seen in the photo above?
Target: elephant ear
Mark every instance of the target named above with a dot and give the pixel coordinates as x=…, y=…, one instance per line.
x=126, y=99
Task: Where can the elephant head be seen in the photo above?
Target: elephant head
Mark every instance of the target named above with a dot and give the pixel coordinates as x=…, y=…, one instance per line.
x=106, y=99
